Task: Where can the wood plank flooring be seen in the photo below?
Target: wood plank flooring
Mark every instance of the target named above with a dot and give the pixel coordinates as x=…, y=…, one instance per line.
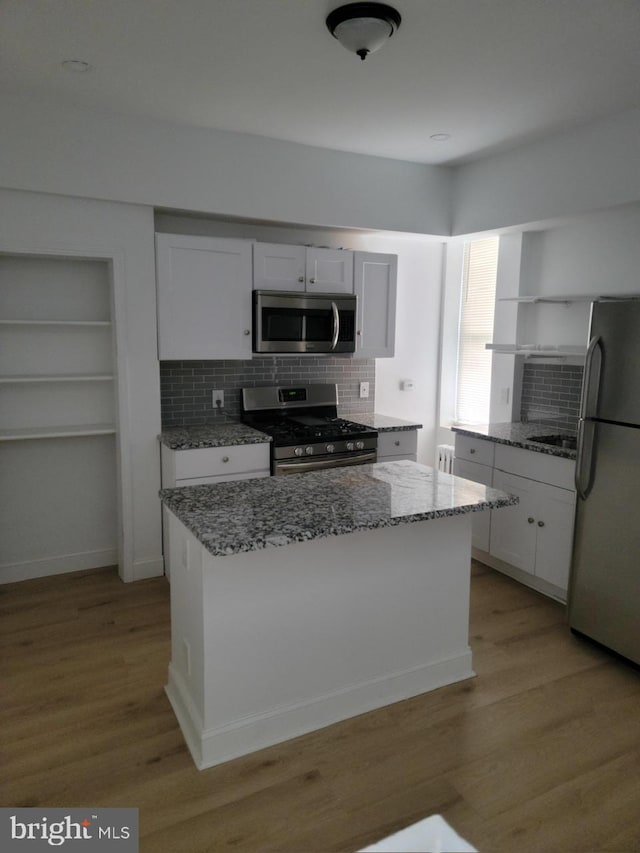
x=540, y=752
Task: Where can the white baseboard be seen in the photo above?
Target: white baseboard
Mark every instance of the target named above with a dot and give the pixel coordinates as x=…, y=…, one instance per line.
x=147, y=569
x=214, y=746
x=525, y=578
x=29, y=569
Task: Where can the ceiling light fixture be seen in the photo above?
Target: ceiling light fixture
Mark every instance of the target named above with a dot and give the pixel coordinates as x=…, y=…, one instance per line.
x=363, y=27
x=78, y=66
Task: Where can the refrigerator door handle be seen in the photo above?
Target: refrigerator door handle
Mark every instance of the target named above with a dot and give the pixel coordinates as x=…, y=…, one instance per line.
x=584, y=458
x=591, y=382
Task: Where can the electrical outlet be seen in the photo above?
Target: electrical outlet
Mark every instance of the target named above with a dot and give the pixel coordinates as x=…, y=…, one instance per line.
x=364, y=390
x=217, y=399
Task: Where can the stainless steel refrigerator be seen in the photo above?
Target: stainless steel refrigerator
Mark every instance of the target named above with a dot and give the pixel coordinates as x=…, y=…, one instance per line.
x=604, y=586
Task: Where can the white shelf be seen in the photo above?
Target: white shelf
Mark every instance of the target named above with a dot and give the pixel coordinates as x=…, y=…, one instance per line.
x=568, y=298
x=538, y=350
x=14, y=380
x=55, y=323
x=26, y=434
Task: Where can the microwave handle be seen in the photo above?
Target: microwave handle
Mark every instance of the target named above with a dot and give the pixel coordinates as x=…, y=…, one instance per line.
x=336, y=325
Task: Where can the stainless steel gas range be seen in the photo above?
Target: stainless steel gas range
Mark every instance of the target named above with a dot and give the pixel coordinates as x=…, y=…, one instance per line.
x=306, y=432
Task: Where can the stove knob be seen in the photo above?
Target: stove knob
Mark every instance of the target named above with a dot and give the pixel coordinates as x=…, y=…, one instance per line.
x=350, y=445
x=298, y=451
x=309, y=451
x=360, y=445
x=331, y=448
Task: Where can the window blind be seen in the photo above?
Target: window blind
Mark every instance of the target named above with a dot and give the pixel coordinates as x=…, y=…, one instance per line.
x=477, y=306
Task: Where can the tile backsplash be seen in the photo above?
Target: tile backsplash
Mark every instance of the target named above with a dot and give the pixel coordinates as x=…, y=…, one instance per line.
x=186, y=386
x=551, y=393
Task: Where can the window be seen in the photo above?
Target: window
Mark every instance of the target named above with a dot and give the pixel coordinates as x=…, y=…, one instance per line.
x=477, y=305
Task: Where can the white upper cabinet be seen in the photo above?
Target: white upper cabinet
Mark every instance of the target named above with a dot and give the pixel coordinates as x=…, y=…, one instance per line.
x=303, y=268
x=204, y=297
x=279, y=267
x=375, y=277
x=329, y=270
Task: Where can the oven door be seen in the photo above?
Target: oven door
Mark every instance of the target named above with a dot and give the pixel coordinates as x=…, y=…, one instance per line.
x=320, y=463
x=303, y=322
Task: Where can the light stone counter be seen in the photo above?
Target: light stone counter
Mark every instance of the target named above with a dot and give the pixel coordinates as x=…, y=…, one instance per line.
x=249, y=515
x=519, y=435
x=382, y=423
x=226, y=434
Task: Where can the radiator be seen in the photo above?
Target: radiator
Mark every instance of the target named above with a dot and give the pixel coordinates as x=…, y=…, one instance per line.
x=445, y=458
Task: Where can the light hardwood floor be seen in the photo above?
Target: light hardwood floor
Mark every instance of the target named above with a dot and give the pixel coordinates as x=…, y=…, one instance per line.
x=540, y=752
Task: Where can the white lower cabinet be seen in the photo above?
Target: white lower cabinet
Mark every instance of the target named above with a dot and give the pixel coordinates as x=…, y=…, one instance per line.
x=394, y=445
x=481, y=521
x=533, y=540
x=200, y=465
x=536, y=535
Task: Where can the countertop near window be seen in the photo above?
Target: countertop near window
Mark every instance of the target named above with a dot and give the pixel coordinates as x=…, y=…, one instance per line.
x=250, y=515
x=519, y=435
x=212, y=435
x=381, y=423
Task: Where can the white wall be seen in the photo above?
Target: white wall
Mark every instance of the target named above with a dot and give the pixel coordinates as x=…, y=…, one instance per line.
x=585, y=169
x=80, y=153
x=417, y=316
x=42, y=224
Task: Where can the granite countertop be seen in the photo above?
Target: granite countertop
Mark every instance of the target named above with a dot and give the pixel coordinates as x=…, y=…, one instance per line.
x=212, y=435
x=519, y=435
x=381, y=423
x=249, y=515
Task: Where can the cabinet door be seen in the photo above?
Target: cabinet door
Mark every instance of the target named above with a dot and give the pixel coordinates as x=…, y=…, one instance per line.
x=554, y=525
x=480, y=521
x=374, y=283
x=204, y=297
x=278, y=267
x=513, y=528
x=329, y=271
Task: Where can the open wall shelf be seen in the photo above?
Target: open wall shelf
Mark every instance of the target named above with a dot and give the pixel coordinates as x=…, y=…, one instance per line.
x=32, y=433
x=569, y=298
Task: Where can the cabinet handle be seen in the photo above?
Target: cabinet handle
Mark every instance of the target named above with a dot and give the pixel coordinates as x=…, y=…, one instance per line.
x=358, y=332
x=301, y=279
x=472, y=450
x=225, y=458
x=397, y=443
x=312, y=281
x=531, y=520
x=541, y=524
x=247, y=331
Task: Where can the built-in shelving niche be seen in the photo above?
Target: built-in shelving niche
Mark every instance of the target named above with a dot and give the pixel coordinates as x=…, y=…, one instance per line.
x=564, y=352
x=58, y=504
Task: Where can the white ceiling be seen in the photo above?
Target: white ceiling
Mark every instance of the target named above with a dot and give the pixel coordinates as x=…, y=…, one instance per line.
x=493, y=73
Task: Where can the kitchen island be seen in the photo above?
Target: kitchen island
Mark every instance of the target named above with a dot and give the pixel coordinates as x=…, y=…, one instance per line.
x=303, y=600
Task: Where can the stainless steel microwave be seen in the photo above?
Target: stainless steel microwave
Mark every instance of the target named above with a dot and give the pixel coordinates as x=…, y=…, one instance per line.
x=291, y=322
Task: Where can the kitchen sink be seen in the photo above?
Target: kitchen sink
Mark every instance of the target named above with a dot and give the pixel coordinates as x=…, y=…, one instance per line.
x=567, y=442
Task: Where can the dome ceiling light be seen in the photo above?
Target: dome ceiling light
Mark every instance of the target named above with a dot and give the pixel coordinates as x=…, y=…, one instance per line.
x=363, y=28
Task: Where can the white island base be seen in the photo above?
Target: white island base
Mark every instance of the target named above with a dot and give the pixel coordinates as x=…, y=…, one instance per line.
x=271, y=644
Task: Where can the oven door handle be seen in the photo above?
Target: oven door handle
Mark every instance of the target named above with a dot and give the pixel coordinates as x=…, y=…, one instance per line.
x=336, y=325
x=320, y=464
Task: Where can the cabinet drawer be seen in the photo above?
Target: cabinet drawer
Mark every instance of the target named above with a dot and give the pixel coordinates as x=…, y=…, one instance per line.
x=398, y=443
x=475, y=449
x=482, y=474
x=554, y=470
x=216, y=461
